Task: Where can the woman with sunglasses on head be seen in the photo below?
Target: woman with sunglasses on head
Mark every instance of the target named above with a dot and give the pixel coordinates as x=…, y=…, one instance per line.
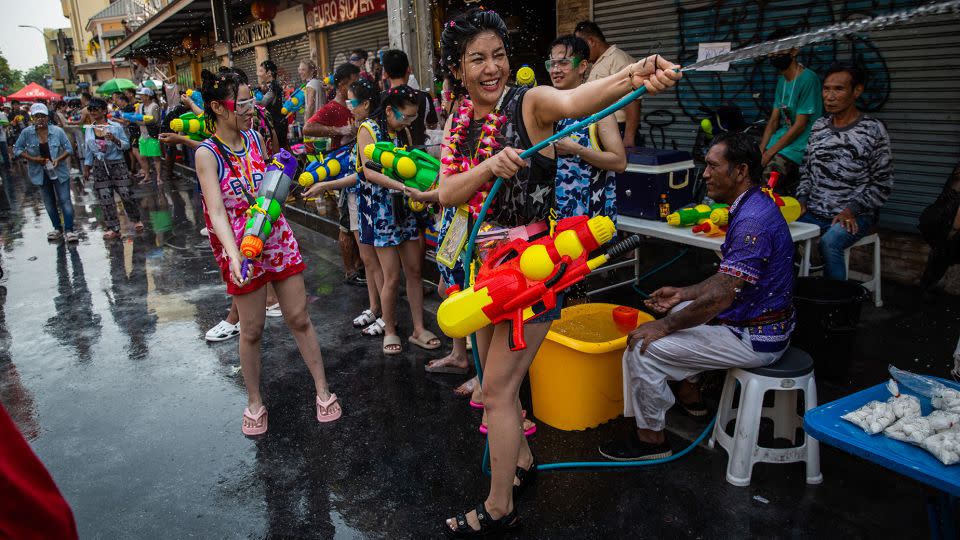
x=230, y=166
x=484, y=140
x=386, y=221
x=103, y=145
x=361, y=100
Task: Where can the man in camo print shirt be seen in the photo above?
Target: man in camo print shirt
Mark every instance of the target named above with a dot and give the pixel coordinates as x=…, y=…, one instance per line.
x=847, y=172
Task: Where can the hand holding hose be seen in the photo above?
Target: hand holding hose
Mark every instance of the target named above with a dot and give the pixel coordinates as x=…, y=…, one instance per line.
x=655, y=72
x=506, y=163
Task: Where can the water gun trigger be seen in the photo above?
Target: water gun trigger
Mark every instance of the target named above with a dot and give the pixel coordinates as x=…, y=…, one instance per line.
x=516, y=339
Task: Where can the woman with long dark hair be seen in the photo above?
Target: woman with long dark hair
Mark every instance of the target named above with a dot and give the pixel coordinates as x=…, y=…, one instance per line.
x=482, y=142
x=386, y=221
x=230, y=166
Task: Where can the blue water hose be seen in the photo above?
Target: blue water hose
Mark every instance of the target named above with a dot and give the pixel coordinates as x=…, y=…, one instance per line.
x=468, y=257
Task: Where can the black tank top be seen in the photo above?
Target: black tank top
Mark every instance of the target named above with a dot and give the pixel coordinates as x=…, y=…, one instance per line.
x=529, y=195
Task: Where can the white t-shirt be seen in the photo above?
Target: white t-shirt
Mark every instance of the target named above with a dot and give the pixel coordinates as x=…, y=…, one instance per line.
x=317, y=97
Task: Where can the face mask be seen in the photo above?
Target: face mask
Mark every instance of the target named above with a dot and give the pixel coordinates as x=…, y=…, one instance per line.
x=781, y=62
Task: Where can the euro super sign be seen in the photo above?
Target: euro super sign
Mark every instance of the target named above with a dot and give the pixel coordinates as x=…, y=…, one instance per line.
x=239, y=185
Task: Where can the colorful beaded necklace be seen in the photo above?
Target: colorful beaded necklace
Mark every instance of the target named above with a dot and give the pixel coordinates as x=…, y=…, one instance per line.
x=456, y=161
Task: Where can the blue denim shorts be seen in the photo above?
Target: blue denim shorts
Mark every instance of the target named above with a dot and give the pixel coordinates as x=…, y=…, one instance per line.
x=553, y=314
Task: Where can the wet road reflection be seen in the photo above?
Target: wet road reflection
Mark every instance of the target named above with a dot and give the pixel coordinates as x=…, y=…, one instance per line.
x=104, y=367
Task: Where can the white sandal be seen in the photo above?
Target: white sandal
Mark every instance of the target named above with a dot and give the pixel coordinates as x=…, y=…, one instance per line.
x=375, y=329
x=365, y=319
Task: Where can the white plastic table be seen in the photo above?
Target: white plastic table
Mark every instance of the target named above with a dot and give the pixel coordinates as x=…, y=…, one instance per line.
x=799, y=232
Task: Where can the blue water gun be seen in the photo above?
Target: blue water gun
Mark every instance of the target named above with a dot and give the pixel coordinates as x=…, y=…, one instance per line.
x=293, y=103
x=336, y=164
x=195, y=96
x=135, y=118
x=258, y=95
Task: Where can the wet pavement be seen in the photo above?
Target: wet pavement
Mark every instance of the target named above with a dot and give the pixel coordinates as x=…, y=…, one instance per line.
x=104, y=367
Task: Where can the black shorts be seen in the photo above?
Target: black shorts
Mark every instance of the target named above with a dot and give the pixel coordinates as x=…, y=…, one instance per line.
x=344, y=210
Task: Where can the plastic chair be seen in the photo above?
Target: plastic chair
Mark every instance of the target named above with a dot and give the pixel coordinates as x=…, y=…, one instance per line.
x=786, y=377
x=873, y=284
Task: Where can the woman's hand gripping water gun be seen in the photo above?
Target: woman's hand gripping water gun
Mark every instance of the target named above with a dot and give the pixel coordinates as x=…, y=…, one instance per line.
x=415, y=168
x=335, y=165
x=266, y=209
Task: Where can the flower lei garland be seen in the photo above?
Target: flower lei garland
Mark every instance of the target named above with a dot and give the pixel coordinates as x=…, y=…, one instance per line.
x=457, y=161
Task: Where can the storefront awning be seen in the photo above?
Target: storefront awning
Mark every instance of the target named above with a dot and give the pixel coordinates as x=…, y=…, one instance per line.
x=176, y=20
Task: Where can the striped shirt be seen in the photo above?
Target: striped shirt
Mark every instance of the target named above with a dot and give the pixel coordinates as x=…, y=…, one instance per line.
x=848, y=167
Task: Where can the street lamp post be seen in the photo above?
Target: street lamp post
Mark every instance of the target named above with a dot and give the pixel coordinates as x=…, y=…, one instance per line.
x=44, y=37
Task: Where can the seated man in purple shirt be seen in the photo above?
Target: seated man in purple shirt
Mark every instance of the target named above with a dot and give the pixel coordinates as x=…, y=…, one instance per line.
x=742, y=316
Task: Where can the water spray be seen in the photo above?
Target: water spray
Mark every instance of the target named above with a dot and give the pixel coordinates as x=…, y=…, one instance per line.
x=750, y=52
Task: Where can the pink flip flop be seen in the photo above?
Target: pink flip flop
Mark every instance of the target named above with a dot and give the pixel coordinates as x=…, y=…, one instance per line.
x=527, y=433
x=324, y=406
x=476, y=405
x=255, y=430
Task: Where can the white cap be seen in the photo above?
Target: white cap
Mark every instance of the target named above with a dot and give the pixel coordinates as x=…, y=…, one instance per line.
x=145, y=92
x=39, y=108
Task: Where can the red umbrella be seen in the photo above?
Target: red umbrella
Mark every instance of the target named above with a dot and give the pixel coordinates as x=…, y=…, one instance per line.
x=34, y=92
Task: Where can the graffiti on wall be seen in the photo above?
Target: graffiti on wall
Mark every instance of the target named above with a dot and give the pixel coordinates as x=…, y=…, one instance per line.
x=750, y=85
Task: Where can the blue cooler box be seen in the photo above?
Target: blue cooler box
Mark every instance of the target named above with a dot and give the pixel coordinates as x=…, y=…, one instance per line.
x=650, y=173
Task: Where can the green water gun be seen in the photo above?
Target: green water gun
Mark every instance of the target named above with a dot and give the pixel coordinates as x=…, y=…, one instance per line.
x=415, y=168
x=686, y=217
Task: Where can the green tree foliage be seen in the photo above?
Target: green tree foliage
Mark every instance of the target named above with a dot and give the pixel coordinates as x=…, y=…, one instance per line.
x=11, y=80
x=37, y=74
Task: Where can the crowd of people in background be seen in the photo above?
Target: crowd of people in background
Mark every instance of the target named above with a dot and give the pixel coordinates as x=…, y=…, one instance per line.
x=838, y=165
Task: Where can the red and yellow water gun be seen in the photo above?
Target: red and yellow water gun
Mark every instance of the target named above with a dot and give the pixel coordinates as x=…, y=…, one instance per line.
x=521, y=279
x=789, y=206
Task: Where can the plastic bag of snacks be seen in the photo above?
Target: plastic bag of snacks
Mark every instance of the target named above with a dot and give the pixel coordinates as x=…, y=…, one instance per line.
x=944, y=420
x=912, y=430
x=873, y=417
x=904, y=405
x=917, y=428
x=941, y=396
x=945, y=446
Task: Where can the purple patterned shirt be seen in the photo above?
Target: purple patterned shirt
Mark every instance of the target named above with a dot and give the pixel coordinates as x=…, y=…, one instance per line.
x=758, y=249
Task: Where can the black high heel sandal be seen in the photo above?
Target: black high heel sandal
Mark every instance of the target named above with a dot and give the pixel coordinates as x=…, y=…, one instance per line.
x=488, y=525
x=526, y=478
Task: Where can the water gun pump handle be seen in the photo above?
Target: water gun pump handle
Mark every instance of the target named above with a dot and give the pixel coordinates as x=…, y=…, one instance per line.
x=622, y=247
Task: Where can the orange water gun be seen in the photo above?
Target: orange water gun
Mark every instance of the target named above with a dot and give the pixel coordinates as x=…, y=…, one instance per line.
x=520, y=280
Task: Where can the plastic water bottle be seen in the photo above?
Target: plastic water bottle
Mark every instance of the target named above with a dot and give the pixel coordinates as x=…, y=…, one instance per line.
x=51, y=169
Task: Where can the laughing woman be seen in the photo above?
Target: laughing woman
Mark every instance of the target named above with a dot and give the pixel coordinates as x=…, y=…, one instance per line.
x=484, y=141
x=230, y=166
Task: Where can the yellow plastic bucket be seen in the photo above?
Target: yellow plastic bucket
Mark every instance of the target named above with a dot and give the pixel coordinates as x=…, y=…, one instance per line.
x=576, y=378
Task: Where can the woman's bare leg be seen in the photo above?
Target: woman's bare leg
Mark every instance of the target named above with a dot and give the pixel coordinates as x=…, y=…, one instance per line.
x=371, y=265
x=504, y=371
x=250, y=308
x=293, y=304
x=389, y=258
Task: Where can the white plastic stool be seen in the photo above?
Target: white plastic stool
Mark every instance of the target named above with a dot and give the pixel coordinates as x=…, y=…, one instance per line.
x=791, y=374
x=873, y=285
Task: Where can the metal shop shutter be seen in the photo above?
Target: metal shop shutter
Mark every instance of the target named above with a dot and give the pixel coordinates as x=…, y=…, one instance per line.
x=911, y=68
x=287, y=54
x=369, y=34
x=247, y=61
